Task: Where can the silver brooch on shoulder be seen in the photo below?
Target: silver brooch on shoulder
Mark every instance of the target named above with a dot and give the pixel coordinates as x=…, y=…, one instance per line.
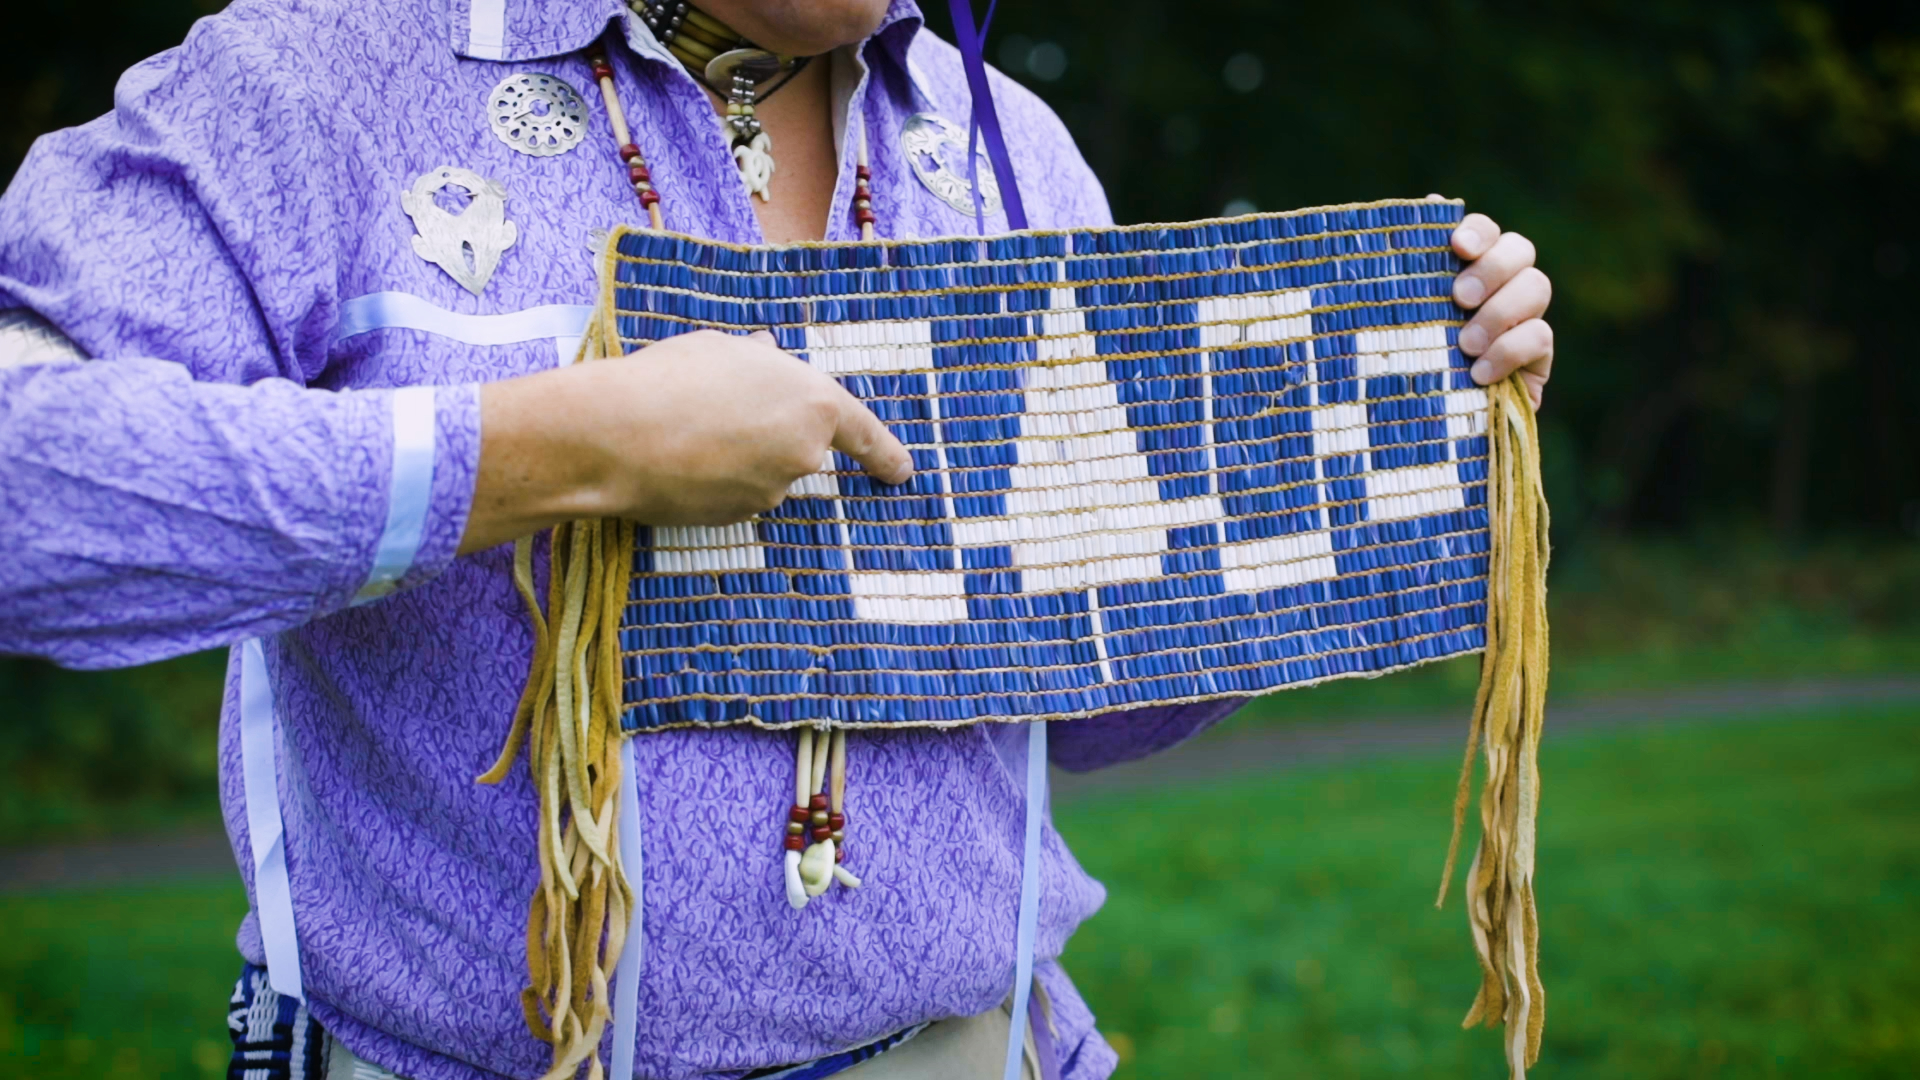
x=537, y=114
x=467, y=240
x=936, y=147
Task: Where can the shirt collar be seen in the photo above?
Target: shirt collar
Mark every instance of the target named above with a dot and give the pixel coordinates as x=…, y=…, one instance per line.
x=520, y=30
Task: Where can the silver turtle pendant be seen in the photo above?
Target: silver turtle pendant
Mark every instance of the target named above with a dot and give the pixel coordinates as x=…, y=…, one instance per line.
x=741, y=71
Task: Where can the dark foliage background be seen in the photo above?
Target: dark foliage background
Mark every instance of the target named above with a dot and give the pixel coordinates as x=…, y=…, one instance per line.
x=1721, y=191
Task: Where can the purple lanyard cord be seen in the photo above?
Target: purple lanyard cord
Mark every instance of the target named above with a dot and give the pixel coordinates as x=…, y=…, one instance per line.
x=985, y=120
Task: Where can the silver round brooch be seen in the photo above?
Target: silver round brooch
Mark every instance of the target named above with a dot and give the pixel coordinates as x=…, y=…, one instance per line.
x=537, y=114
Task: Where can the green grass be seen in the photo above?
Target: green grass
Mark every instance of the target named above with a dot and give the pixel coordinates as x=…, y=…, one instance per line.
x=118, y=983
x=1651, y=614
x=1731, y=899
x=91, y=754
x=1726, y=900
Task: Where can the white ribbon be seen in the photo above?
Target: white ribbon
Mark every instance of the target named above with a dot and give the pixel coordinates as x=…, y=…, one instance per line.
x=1029, y=920
x=409, y=491
x=626, y=979
x=405, y=311
x=272, y=892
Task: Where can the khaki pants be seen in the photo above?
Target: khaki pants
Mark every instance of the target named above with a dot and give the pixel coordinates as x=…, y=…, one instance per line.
x=961, y=1048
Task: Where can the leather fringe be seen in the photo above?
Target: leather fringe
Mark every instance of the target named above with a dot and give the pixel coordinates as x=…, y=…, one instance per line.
x=1508, y=712
x=568, y=718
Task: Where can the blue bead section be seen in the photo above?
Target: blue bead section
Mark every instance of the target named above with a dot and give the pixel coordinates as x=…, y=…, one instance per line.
x=1153, y=465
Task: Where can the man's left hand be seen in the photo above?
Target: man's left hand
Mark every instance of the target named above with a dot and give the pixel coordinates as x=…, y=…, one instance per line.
x=1509, y=296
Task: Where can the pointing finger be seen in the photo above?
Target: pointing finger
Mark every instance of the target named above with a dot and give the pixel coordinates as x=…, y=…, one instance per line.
x=861, y=436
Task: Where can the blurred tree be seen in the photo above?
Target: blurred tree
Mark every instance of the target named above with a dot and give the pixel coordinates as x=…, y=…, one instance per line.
x=1717, y=188
x=94, y=753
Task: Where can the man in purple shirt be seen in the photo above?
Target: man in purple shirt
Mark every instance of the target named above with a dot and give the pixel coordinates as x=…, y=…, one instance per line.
x=303, y=430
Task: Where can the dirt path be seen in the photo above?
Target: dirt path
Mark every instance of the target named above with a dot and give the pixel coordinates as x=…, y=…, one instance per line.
x=1230, y=752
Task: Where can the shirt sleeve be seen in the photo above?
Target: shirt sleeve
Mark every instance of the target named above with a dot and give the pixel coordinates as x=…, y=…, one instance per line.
x=187, y=486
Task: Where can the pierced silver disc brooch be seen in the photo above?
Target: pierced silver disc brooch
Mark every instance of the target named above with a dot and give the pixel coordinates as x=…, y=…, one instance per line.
x=537, y=114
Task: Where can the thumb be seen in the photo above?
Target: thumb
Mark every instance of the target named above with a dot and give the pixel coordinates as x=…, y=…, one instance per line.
x=861, y=436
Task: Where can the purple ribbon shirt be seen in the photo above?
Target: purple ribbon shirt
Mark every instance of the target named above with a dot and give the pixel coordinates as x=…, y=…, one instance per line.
x=241, y=459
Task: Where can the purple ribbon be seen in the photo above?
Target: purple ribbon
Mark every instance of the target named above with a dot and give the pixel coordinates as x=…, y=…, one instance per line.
x=972, y=41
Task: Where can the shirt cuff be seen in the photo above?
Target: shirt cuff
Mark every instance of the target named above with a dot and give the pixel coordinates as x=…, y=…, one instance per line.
x=435, y=460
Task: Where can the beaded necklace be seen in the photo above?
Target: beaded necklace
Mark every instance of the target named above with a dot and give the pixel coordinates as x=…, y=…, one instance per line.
x=642, y=180
x=578, y=917
x=818, y=813
x=732, y=67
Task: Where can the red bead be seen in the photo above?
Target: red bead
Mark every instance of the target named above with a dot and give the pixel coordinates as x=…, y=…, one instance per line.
x=821, y=834
x=838, y=821
x=796, y=843
x=648, y=198
x=860, y=171
x=840, y=853
x=638, y=174
x=628, y=151
x=818, y=802
x=864, y=217
x=797, y=815
x=602, y=71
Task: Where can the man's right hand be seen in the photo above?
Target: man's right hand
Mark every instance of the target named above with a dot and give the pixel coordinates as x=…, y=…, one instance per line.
x=702, y=429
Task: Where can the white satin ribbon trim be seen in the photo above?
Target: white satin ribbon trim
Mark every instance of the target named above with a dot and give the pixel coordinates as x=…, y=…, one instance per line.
x=272, y=892
x=409, y=491
x=1029, y=920
x=487, y=29
x=405, y=311
x=626, y=978
x=26, y=338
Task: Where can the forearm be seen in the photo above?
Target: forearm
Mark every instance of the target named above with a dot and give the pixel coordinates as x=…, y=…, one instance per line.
x=146, y=514
x=540, y=460
x=701, y=429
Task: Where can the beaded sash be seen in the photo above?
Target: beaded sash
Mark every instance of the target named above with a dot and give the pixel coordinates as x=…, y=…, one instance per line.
x=1155, y=465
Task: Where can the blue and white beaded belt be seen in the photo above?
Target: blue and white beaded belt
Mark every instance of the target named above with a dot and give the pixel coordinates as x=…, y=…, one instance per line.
x=1155, y=465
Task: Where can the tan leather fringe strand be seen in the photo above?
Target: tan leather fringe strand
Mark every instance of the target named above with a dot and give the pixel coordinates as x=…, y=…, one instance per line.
x=568, y=718
x=1508, y=713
